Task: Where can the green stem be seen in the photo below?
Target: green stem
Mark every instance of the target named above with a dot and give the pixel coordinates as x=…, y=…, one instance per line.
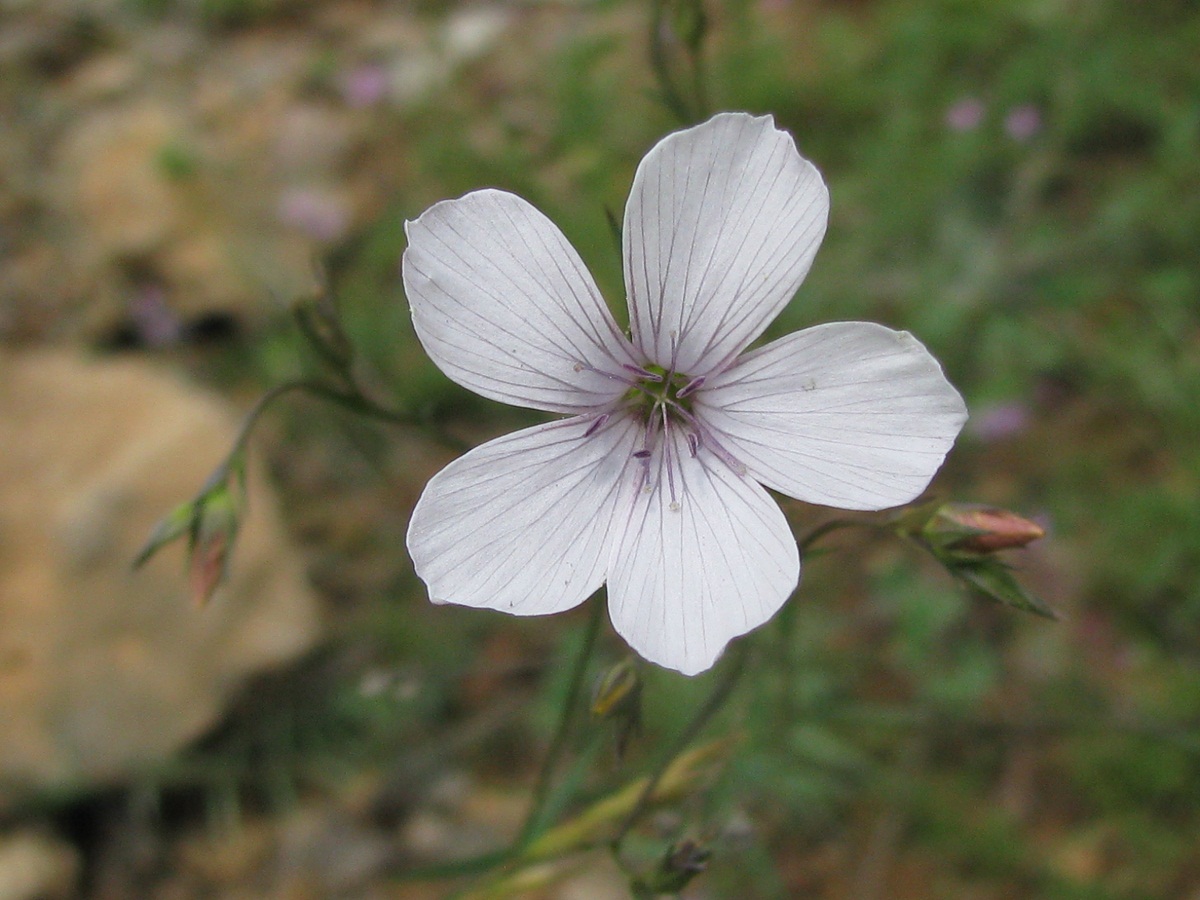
x=558, y=744
x=826, y=528
x=475, y=865
x=671, y=96
x=353, y=400
x=730, y=674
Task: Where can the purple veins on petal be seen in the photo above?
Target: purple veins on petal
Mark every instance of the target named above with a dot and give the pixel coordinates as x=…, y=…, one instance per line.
x=597, y=425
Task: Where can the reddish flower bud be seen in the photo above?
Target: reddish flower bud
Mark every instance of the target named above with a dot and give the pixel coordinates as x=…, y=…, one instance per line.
x=981, y=529
x=207, y=567
x=210, y=522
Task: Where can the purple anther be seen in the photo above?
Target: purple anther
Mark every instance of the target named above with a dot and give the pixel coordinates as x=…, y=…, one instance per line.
x=690, y=388
x=693, y=444
x=641, y=454
x=642, y=373
x=597, y=425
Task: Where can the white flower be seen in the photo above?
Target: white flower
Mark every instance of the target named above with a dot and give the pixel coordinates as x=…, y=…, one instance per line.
x=653, y=481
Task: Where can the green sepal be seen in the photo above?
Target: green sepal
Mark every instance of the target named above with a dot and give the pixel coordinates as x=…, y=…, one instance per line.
x=179, y=521
x=994, y=580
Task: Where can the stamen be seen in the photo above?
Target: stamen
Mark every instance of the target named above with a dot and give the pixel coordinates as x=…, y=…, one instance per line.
x=584, y=367
x=691, y=387
x=674, y=335
x=669, y=459
x=644, y=374
x=705, y=437
x=648, y=438
x=693, y=444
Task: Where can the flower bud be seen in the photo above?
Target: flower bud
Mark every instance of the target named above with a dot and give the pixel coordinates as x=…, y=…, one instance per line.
x=213, y=533
x=618, y=689
x=683, y=862
x=964, y=536
x=211, y=522
x=618, y=696
x=974, y=528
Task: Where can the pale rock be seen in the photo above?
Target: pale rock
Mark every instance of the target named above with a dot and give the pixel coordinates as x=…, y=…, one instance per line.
x=36, y=866
x=133, y=223
x=201, y=166
x=119, y=192
x=311, y=140
x=105, y=77
x=104, y=670
x=472, y=31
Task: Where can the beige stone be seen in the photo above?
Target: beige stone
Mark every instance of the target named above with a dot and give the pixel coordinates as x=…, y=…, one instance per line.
x=36, y=866
x=120, y=192
x=102, y=669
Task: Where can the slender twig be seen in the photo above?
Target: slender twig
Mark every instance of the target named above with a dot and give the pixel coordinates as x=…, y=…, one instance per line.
x=825, y=528
x=730, y=674
x=359, y=402
x=698, y=87
x=353, y=400
x=696, y=58
x=671, y=96
x=475, y=865
x=566, y=717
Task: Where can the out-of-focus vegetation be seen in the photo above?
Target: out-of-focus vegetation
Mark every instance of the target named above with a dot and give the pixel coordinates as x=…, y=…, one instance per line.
x=1017, y=182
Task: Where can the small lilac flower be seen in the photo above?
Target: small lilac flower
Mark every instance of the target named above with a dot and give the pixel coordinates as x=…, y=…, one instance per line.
x=965, y=114
x=364, y=85
x=319, y=214
x=654, y=481
x=999, y=422
x=1023, y=122
x=153, y=319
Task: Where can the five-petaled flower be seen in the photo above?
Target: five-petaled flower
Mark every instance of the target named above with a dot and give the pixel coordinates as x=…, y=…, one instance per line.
x=653, y=480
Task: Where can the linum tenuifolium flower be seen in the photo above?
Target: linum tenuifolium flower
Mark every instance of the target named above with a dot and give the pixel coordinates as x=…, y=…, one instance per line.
x=653, y=480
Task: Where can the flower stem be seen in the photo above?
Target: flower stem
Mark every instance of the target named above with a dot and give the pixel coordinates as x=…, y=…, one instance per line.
x=671, y=96
x=566, y=716
x=353, y=400
x=807, y=542
x=730, y=674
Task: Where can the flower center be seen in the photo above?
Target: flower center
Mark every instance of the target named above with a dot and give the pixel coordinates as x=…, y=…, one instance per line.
x=660, y=389
x=661, y=401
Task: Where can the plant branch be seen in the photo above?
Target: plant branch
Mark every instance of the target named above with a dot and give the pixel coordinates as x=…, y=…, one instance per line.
x=730, y=674
x=671, y=96
x=558, y=743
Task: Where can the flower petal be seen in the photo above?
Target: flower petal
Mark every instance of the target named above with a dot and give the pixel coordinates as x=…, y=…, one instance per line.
x=722, y=224
x=504, y=306
x=521, y=524
x=849, y=414
x=686, y=579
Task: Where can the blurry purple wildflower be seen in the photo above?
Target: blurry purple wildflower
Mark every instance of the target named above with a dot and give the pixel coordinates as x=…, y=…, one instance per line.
x=1023, y=122
x=318, y=214
x=965, y=114
x=364, y=85
x=155, y=322
x=999, y=422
